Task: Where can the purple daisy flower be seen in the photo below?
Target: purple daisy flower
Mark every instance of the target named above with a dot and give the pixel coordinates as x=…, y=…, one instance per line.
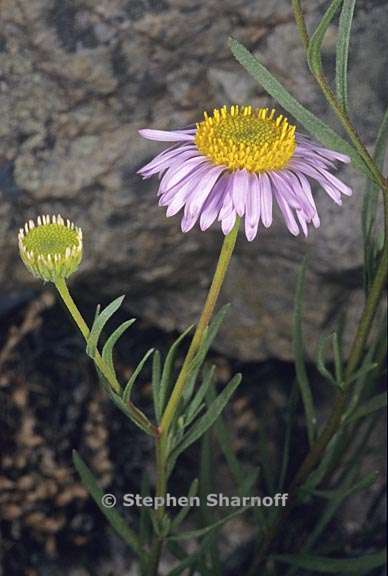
x=235, y=163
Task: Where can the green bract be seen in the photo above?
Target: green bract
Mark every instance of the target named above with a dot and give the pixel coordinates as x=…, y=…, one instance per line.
x=51, y=249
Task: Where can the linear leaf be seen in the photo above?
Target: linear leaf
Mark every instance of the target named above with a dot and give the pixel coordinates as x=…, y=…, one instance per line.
x=315, y=44
x=345, y=492
x=343, y=41
x=107, y=351
x=337, y=360
x=290, y=421
x=312, y=124
x=99, y=322
x=156, y=374
x=199, y=397
x=369, y=208
x=321, y=362
x=211, y=557
x=208, y=339
x=335, y=498
x=193, y=490
x=210, y=528
x=335, y=565
x=132, y=380
x=168, y=368
x=300, y=367
x=137, y=416
x=208, y=419
x=375, y=403
x=114, y=518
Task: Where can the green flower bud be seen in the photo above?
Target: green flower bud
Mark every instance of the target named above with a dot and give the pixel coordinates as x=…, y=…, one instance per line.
x=51, y=248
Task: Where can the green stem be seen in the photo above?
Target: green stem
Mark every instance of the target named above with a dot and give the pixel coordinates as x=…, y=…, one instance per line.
x=137, y=415
x=300, y=23
x=207, y=312
x=67, y=298
x=335, y=104
x=161, y=487
x=161, y=453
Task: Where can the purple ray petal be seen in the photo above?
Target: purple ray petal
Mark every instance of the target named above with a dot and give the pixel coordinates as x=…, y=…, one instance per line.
x=202, y=190
x=166, y=135
x=239, y=190
x=228, y=222
x=265, y=199
x=252, y=212
x=287, y=213
x=212, y=206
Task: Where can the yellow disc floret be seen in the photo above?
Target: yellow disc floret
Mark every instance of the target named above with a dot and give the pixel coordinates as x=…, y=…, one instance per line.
x=244, y=137
x=51, y=248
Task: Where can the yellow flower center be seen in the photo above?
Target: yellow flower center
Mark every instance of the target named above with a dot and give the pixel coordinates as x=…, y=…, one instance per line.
x=243, y=137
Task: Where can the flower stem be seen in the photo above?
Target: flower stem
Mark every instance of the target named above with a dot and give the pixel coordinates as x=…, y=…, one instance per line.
x=136, y=414
x=207, y=312
x=161, y=484
x=161, y=453
x=300, y=23
x=67, y=298
x=335, y=104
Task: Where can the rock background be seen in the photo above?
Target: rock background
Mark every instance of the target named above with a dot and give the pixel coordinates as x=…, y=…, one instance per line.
x=78, y=78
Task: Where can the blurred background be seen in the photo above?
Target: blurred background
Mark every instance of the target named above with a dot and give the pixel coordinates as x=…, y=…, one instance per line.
x=78, y=78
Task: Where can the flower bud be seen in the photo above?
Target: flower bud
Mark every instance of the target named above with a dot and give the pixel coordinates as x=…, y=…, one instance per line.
x=51, y=248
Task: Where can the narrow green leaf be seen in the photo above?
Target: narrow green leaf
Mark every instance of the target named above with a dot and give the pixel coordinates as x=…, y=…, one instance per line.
x=183, y=512
x=137, y=416
x=199, y=397
x=363, y=371
x=315, y=44
x=335, y=500
x=168, y=369
x=208, y=339
x=338, y=360
x=345, y=492
x=290, y=420
x=369, y=208
x=156, y=374
x=207, y=420
x=107, y=351
x=203, y=531
x=311, y=123
x=372, y=405
x=132, y=380
x=300, y=367
x=114, y=518
x=334, y=565
x=99, y=322
x=188, y=562
x=343, y=41
x=211, y=556
x=145, y=523
x=321, y=361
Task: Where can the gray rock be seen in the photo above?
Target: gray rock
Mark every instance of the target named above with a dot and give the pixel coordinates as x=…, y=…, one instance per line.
x=79, y=78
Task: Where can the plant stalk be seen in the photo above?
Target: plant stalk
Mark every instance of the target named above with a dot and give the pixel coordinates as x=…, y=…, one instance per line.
x=207, y=312
x=63, y=290
x=161, y=453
